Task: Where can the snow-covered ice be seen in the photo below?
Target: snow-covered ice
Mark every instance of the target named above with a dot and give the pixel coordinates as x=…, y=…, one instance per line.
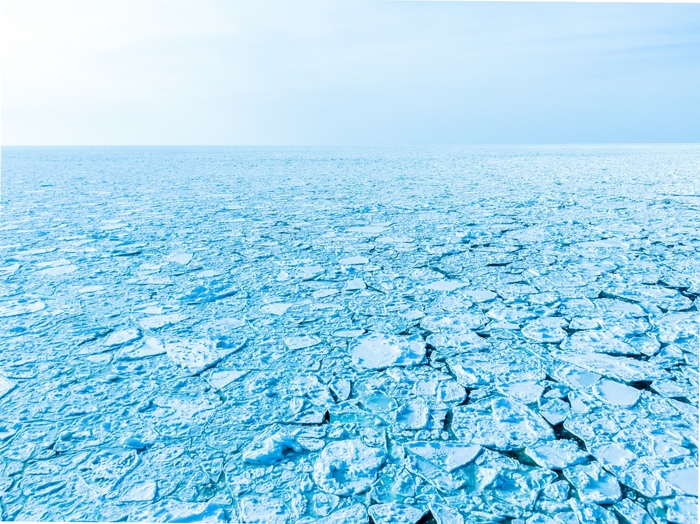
x=447, y=335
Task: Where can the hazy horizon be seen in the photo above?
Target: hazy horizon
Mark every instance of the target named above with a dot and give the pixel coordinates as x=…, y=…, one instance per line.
x=349, y=73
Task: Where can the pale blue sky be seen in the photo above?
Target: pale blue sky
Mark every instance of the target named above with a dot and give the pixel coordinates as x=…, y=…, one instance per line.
x=341, y=72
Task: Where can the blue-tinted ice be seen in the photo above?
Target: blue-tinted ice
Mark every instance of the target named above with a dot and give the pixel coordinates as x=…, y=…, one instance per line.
x=297, y=335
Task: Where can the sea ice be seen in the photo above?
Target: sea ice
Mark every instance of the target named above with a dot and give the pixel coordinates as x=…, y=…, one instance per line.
x=301, y=342
x=347, y=467
x=447, y=455
x=379, y=351
x=395, y=513
x=559, y=454
x=195, y=356
x=616, y=393
x=593, y=484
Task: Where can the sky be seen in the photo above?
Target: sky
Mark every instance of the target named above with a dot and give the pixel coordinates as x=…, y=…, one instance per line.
x=347, y=72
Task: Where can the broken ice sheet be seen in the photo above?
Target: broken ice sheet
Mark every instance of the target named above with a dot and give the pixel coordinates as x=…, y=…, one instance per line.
x=379, y=351
x=215, y=246
x=301, y=342
x=196, y=356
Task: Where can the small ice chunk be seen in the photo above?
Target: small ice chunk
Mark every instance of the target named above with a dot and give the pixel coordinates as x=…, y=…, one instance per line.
x=634, y=513
x=300, y=342
x=144, y=491
x=479, y=295
x=348, y=333
x=509, y=425
x=546, y=330
x=684, y=479
x=347, y=467
x=58, y=270
x=526, y=391
x=353, y=261
x=368, y=230
x=583, y=323
x=179, y=258
x=598, y=342
x=593, y=484
x=273, y=449
x=586, y=512
x=681, y=510
x=379, y=351
x=355, y=514
x=356, y=284
x=263, y=510
x=169, y=510
x=613, y=456
x=413, y=414
x=445, y=514
x=278, y=308
x=555, y=411
x=460, y=323
x=616, y=393
x=323, y=293
x=445, y=285
x=122, y=337
x=341, y=388
x=6, y=385
x=449, y=456
x=159, y=321
x=395, y=513
x=90, y=289
x=557, y=454
x=221, y=378
x=151, y=347
x=193, y=356
x=20, y=307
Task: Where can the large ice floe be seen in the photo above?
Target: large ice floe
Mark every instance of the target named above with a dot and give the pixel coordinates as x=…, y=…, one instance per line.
x=448, y=336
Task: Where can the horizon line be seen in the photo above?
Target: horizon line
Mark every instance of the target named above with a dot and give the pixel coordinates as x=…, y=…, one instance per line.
x=514, y=144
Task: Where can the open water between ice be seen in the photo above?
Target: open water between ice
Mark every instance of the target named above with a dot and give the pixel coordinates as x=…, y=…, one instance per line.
x=448, y=335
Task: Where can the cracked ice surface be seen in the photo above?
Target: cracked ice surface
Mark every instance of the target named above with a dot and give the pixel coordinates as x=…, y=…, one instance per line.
x=434, y=335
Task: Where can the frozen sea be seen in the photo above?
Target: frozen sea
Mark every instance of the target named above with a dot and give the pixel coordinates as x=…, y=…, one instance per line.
x=450, y=335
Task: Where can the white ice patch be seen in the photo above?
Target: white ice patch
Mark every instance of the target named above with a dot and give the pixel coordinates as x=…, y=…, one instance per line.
x=221, y=378
x=353, y=261
x=616, y=393
x=144, y=491
x=6, y=385
x=684, y=479
x=17, y=307
x=122, y=337
x=500, y=423
x=593, y=484
x=195, y=356
x=347, y=467
x=301, y=342
x=598, y=342
x=368, y=230
x=271, y=450
x=449, y=456
x=445, y=285
x=546, y=330
x=179, y=258
x=557, y=454
x=379, y=351
x=395, y=513
x=355, y=284
x=159, y=321
x=150, y=348
x=278, y=308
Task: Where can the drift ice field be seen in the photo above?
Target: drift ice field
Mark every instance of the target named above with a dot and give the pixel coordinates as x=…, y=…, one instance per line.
x=449, y=335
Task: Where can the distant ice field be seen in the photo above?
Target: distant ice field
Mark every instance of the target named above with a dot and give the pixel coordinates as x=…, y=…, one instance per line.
x=448, y=335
